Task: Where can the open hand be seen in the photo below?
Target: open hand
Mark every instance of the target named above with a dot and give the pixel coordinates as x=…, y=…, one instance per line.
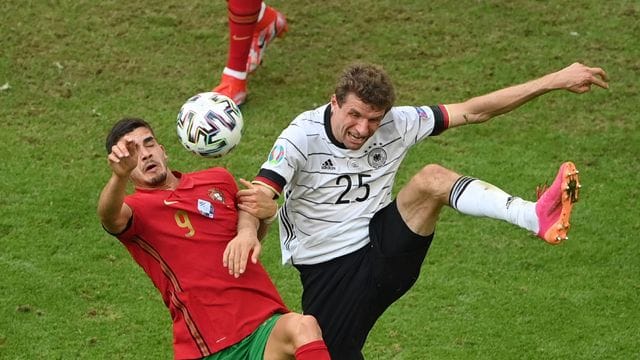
x=237, y=252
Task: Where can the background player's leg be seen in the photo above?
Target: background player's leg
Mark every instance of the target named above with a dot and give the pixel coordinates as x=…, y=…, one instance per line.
x=243, y=17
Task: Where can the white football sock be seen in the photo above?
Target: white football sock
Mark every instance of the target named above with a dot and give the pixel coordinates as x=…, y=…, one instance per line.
x=242, y=75
x=477, y=198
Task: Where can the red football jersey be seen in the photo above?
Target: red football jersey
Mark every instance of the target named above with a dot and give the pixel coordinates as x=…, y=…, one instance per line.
x=178, y=238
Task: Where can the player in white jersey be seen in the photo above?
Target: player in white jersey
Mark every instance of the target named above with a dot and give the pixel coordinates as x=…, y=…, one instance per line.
x=330, y=183
x=357, y=249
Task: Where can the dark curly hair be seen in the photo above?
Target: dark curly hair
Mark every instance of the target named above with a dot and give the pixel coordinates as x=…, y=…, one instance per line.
x=370, y=83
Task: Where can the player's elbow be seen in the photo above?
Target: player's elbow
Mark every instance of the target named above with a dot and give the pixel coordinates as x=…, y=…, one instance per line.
x=114, y=223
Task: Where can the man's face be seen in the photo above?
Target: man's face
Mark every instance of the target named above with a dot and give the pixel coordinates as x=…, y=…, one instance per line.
x=151, y=170
x=354, y=122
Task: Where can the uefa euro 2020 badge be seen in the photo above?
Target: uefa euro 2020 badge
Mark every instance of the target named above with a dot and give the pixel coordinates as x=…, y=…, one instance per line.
x=205, y=208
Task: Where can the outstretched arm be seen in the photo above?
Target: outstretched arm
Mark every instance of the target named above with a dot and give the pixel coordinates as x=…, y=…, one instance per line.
x=113, y=212
x=576, y=78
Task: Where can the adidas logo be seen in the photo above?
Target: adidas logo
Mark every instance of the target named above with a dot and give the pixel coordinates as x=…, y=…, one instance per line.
x=328, y=165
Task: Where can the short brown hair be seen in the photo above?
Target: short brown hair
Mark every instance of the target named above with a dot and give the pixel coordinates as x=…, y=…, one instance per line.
x=370, y=83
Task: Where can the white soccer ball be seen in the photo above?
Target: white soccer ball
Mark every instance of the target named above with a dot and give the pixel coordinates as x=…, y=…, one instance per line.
x=209, y=124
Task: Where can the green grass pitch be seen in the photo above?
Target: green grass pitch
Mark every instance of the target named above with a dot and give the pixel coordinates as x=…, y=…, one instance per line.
x=69, y=69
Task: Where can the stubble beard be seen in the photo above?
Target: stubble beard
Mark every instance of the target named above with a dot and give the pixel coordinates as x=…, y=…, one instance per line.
x=157, y=180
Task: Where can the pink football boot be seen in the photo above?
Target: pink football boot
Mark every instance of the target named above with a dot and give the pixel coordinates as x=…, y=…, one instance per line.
x=554, y=204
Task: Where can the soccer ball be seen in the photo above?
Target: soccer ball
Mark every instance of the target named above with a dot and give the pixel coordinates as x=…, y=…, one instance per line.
x=209, y=124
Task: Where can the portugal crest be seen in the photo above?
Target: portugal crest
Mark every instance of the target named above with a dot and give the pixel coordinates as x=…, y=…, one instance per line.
x=216, y=195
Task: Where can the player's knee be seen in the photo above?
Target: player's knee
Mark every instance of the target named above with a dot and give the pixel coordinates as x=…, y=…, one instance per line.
x=309, y=326
x=308, y=330
x=433, y=180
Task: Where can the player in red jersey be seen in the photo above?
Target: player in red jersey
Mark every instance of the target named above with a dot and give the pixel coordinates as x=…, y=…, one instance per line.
x=181, y=229
x=252, y=26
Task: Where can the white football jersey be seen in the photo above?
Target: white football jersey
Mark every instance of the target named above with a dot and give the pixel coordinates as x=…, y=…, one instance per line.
x=331, y=192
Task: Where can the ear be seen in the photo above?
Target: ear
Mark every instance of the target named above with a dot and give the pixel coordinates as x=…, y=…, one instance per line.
x=164, y=152
x=334, y=103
